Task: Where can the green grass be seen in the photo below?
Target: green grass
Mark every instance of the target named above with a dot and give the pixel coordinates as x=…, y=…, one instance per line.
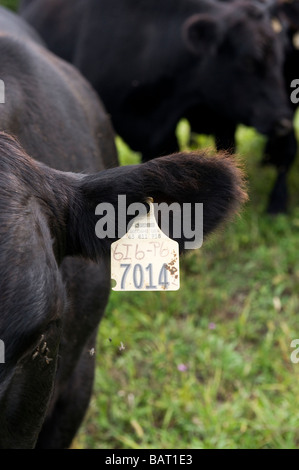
x=12, y=4
x=230, y=325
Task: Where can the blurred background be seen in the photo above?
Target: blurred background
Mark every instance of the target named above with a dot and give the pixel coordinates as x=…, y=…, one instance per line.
x=208, y=366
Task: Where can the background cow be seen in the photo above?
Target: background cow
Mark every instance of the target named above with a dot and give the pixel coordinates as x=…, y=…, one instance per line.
x=52, y=293
x=154, y=62
x=280, y=150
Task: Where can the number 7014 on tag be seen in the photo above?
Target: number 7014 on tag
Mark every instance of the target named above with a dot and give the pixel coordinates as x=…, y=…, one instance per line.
x=144, y=265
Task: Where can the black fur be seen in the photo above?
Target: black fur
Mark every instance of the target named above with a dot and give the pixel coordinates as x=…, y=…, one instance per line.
x=45, y=296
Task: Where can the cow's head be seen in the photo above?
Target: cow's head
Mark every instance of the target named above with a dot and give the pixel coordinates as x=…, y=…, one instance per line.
x=239, y=63
x=46, y=215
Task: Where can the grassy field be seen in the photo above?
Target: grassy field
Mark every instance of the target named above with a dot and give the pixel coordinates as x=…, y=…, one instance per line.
x=208, y=366
x=12, y=4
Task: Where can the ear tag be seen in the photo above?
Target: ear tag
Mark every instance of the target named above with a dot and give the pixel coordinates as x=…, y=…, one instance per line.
x=145, y=259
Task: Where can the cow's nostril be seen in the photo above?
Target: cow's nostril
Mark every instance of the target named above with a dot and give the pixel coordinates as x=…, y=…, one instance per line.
x=283, y=127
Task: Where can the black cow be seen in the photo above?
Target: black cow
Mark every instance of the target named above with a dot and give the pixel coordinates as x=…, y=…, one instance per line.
x=54, y=271
x=280, y=150
x=151, y=61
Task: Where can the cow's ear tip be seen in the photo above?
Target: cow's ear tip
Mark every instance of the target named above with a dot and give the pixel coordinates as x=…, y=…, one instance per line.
x=206, y=171
x=228, y=178
x=236, y=166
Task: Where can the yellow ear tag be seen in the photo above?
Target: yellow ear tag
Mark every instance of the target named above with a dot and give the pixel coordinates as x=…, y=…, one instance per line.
x=145, y=259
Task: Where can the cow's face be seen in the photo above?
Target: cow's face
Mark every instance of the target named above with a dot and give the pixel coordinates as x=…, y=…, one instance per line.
x=240, y=65
x=46, y=215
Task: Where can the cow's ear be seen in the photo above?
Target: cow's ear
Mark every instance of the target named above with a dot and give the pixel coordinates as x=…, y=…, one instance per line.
x=202, y=34
x=216, y=182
